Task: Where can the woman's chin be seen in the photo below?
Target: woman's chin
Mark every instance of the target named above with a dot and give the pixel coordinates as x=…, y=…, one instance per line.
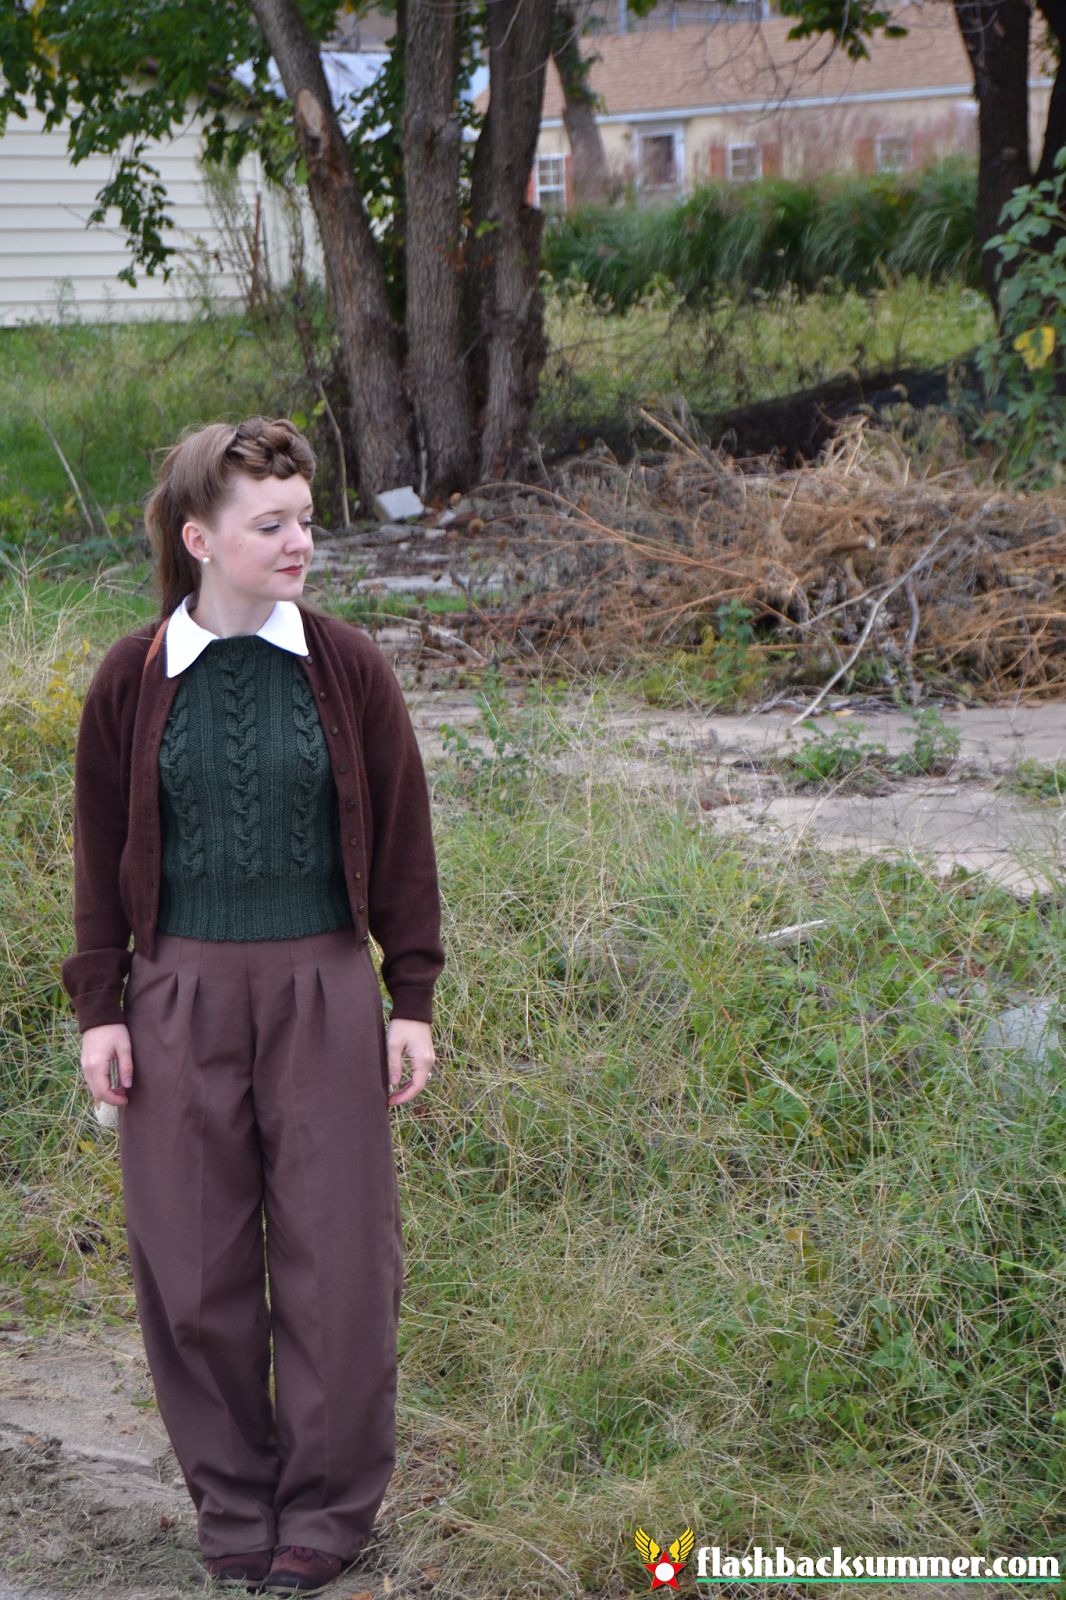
x=286, y=586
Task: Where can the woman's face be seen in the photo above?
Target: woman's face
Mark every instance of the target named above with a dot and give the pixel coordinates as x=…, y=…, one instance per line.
x=259, y=545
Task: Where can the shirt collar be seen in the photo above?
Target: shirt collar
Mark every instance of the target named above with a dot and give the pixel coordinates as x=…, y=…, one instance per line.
x=187, y=641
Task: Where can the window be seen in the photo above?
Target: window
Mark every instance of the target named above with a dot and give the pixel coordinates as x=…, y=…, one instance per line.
x=658, y=161
x=893, y=152
x=745, y=163
x=551, y=183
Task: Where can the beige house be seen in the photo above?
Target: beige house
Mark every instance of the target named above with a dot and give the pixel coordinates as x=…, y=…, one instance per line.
x=739, y=100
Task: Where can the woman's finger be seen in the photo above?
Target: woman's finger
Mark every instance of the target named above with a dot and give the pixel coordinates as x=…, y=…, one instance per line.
x=97, y=1076
x=98, y=1056
x=421, y=1071
x=395, y=1053
x=124, y=1057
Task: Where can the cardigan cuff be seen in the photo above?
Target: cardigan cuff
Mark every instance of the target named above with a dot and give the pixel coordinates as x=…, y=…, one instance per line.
x=98, y=1008
x=412, y=1003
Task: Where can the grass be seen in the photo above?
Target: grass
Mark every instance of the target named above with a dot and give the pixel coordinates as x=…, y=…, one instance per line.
x=115, y=394
x=603, y=365
x=1039, y=781
x=111, y=396
x=698, y=1231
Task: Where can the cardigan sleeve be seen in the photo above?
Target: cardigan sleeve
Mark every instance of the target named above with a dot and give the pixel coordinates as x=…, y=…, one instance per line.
x=403, y=900
x=95, y=974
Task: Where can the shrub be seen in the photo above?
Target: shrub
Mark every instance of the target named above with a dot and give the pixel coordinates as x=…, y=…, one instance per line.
x=853, y=231
x=1024, y=367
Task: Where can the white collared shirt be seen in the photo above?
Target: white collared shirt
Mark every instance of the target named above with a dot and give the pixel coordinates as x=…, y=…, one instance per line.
x=187, y=641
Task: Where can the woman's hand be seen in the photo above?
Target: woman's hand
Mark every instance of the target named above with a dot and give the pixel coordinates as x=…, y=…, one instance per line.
x=413, y=1040
x=99, y=1047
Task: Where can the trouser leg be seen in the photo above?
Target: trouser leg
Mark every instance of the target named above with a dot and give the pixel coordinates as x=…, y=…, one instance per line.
x=260, y=1079
x=333, y=1235
x=192, y=1175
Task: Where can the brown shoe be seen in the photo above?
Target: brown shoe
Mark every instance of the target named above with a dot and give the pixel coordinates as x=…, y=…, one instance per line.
x=296, y=1569
x=249, y=1571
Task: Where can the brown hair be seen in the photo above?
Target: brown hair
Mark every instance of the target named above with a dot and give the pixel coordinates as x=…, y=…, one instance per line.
x=194, y=481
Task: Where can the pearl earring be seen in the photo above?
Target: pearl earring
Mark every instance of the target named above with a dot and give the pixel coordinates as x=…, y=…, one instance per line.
x=206, y=559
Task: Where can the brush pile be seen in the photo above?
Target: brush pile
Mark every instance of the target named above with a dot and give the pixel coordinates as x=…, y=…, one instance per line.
x=855, y=570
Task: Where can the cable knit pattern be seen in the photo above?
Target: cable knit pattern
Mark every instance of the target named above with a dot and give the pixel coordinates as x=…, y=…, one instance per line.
x=246, y=788
x=311, y=750
x=175, y=774
x=238, y=676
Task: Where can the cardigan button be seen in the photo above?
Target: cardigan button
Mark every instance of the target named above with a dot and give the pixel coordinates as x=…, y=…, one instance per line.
x=333, y=730
x=309, y=661
x=322, y=694
x=360, y=908
x=357, y=875
x=353, y=841
x=343, y=767
x=366, y=938
x=350, y=805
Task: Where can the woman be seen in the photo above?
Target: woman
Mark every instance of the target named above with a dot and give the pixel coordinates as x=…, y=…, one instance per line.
x=251, y=806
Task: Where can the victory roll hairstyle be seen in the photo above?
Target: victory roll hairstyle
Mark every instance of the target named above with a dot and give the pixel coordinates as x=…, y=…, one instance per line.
x=195, y=480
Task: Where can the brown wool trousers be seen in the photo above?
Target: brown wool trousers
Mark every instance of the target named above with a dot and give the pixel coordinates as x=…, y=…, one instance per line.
x=259, y=1094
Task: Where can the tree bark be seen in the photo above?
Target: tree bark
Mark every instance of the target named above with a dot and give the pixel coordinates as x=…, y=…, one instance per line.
x=591, y=177
x=503, y=289
x=996, y=36
x=432, y=138
x=368, y=335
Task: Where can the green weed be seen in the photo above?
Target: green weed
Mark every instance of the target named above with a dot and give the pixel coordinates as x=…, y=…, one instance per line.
x=1040, y=780
x=726, y=670
x=496, y=762
x=831, y=755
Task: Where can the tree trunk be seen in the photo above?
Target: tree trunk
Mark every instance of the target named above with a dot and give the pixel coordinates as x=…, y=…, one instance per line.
x=996, y=36
x=1054, y=13
x=436, y=357
x=503, y=290
x=592, y=180
x=368, y=335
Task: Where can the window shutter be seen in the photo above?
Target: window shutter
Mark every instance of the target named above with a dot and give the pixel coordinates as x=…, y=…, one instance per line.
x=531, y=186
x=717, y=158
x=569, y=182
x=771, y=160
x=866, y=155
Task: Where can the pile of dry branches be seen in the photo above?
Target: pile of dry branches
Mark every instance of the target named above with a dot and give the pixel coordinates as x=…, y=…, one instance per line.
x=853, y=558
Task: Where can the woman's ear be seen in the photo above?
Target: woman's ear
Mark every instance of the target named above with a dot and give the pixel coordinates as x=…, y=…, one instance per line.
x=192, y=535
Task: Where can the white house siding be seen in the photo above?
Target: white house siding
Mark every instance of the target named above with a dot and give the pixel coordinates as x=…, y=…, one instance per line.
x=45, y=243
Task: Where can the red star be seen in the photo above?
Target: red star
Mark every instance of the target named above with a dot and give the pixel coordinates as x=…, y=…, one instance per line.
x=664, y=1561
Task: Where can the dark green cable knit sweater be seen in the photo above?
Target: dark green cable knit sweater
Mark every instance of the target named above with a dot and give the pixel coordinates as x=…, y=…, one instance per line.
x=251, y=831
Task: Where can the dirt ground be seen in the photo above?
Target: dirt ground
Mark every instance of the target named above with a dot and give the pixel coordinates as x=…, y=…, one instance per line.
x=90, y=1497
x=91, y=1500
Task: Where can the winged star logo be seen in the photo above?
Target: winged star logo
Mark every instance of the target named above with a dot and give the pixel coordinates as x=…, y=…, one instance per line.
x=664, y=1565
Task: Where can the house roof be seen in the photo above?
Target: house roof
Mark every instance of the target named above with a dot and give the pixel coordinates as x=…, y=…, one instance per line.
x=755, y=66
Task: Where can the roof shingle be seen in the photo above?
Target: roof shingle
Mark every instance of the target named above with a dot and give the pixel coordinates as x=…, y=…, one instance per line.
x=745, y=63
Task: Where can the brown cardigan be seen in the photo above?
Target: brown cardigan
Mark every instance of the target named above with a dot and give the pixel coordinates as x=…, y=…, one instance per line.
x=386, y=838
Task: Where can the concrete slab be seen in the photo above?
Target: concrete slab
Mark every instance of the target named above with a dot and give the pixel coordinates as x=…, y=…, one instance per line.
x=1020, y=846
x=969, y=819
